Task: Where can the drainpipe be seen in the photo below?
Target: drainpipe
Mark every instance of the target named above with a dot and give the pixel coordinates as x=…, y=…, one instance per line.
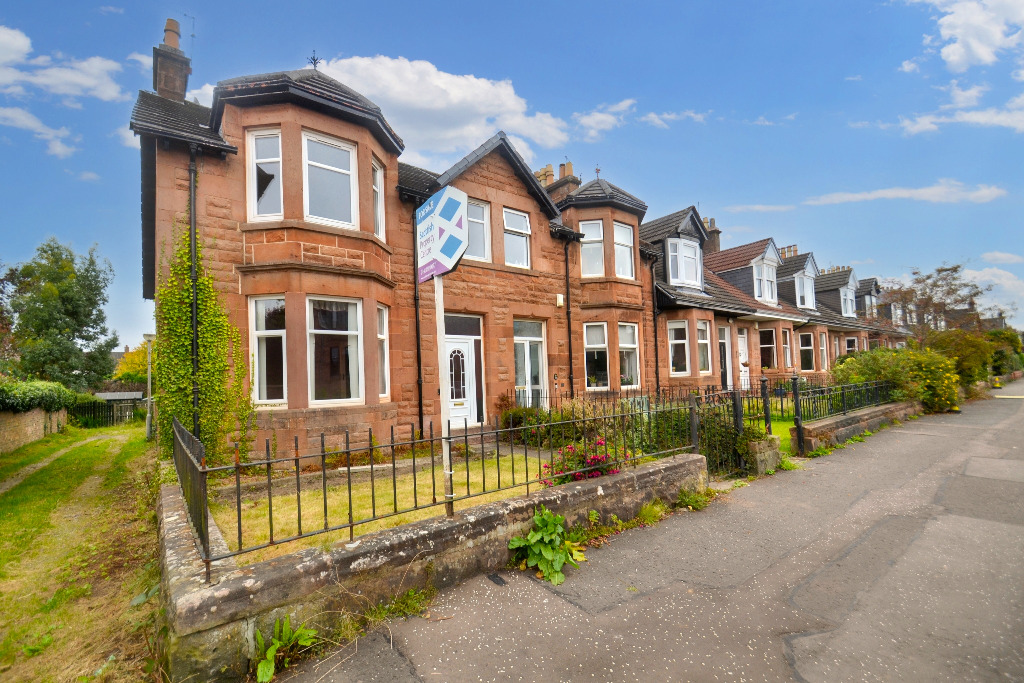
x=654, y=319
x=568, y=322
x=416, y=305
x=193, y=149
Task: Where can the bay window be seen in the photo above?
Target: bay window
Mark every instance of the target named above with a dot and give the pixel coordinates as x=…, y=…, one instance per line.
x=595, y=347
x=806, y=351
x=265, y=192
x=592, y=249
x=267, y=334
x=823, y=350
x=678, y=348
x=378, y=200
x=383, y=361
x=517, y=238
x=335, y=350
x=787, y=354
x=329, y=173
x=629, y=358
x=623, y=251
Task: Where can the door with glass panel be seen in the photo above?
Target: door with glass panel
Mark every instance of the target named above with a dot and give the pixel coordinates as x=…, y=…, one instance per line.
x=463, y=342
x=724, y=357
x=743, y=351
x=529, y=362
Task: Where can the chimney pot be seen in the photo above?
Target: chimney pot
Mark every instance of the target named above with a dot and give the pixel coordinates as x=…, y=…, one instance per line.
x=172, y=34
x=568, y=168
x=712, y=221
x=561, y=171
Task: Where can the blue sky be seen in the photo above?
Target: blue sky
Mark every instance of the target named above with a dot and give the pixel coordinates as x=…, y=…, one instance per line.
x=883, y=135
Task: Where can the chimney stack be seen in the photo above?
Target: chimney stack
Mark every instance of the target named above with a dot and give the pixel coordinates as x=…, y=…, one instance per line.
x=713, y=244
x=171, y=68
x=561, y=171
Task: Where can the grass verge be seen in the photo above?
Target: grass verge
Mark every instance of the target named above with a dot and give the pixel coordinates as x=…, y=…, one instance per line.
x=11, y=463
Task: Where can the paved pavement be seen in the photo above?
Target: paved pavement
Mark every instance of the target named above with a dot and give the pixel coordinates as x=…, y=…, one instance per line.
x=901, y=558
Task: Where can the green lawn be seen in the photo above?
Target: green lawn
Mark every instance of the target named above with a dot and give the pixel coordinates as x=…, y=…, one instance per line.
x=31, y=453
x=780, y=428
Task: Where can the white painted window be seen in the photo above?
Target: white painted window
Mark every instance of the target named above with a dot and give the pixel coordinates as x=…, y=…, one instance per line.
x=335, y=350
x=767, y=339
x=623, y=251
x=851, y=344
x=764, y=282
x=823, y=350
x=378, y=200
x=870, y=304
x=265, y=191
x=517, y=238
x=678, y=348
x=592, y=249
x=848, y=297
x=806, y=351
x=629, y=357
x=478, y=215
x=383, y=352
x=267, y=333
x=703, y=346
x=595, y=346
x=331, y=193
x=787, y=352
x=684, y=263
x=804, y=291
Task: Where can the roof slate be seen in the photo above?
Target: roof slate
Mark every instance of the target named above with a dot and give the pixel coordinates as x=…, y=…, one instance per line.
x=792, y=265
x=416, y=179
x=658, y=229
x=600, y=192
x=867, y=286
x=736, y=257
x=309, y=79
x=823, y=282
x=185, y=121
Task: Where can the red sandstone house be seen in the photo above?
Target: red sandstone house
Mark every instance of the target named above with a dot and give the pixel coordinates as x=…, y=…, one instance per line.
x=306, y=217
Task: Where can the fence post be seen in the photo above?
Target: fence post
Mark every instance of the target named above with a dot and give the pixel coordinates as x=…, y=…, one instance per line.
x=694, y=423
x=766, y=403
x=798, y=416
x=737, y=411
x=842, y=393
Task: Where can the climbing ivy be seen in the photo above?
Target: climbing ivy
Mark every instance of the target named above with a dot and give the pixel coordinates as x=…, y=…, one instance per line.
x=223, y=395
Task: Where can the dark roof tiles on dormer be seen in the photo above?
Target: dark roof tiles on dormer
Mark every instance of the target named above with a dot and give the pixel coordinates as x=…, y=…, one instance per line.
x=602, y=193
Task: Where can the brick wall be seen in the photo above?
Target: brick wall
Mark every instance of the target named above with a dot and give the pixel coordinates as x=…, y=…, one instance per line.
x=18, y=429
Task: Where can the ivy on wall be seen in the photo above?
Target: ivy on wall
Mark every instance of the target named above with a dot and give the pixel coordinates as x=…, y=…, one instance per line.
x=225, y=404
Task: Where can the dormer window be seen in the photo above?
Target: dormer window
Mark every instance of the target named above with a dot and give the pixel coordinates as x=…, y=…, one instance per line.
x=804, y=291
x=869, y=305
x=684, y=263
x=846, y=294
x=764, y=282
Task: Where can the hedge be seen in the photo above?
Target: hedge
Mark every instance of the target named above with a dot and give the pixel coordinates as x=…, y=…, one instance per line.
x=20, y=397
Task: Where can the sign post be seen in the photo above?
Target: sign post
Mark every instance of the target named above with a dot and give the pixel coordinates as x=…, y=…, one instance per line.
x=442, y=235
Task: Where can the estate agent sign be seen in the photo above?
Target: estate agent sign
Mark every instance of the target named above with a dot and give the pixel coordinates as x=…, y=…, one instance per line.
x=442, y=233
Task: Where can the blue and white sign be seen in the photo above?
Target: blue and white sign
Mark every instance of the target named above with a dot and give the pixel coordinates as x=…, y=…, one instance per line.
x=442, y=232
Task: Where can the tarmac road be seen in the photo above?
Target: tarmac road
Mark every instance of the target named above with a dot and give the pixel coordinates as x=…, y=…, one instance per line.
x=900, y=558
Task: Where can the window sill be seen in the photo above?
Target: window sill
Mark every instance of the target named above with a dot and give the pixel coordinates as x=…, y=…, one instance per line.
x=299, y=224
x=489, y=265
x=620, y=280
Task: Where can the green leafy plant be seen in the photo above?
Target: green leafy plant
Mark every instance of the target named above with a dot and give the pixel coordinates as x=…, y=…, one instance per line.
x=546, y=547
x=788, y=465
x=284, y=646
x=695, y=500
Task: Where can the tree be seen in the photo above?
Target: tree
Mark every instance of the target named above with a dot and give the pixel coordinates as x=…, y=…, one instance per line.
x=8, y=352
x=59, y=330
x=937, y=299
x=132, y=367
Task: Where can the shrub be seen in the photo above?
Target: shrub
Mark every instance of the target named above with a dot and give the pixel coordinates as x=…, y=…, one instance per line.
x=916, y=375
x=971, y=352
x=576, y=462
x=20, y=397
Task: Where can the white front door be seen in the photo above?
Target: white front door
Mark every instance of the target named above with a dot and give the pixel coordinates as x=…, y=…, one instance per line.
x=462, y=374
x=744, y=355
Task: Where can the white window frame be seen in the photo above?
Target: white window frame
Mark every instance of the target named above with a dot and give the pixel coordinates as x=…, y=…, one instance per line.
x=616, y=227
x=849, y=302
x=519, y=233
x=856, y=343
x=377, y=184
x=766, y=287
x=677, y=258
x=250, y=171
x=870, y=303
x=486, y=208
x=385, y=337
x=805, y=287
x=310, y=332
x=800, y=338
x=823, y=350
x=587, y=347
x=353, y=176
x=774, y=345
x=592, y=241
x=254, y=337
x=787, y=348
x=685, y=341
x=704, y=325
x=635, y=347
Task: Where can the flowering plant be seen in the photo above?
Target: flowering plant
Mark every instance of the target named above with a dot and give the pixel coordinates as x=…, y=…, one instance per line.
x=576, y=462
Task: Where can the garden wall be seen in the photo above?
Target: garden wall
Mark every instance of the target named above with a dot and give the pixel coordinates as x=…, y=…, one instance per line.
x=210, y=627
x=837, y=429
x=18, y=429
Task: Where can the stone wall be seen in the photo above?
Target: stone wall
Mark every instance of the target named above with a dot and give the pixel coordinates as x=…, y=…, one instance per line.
x=18, y=429
x=210, y=635
x=837, y=429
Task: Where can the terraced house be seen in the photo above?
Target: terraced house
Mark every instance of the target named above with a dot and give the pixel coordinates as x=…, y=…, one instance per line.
x=306, y=215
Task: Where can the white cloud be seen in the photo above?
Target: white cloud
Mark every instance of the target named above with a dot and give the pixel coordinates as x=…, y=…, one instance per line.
x=603, y=118
x=760, y=208
x=1011, y=116
x=858, y=77
x=144, y=62
x=88, y=176
x=90, y=77
x=946, y=191
x=127, y=137
x=762, y=121
x=790, y=117
x=204, y=94
x=1001, y=257
x=962, y=98
x=441, y=115
x=662, y=120
x=15, y=46
x=25, y=120
x=110, y=9
x=1007, y=288
x=882, y=125
x=975, y=32
x=909, y=66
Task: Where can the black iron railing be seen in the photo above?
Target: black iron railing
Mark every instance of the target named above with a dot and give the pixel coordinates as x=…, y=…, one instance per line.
x=190, y=464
